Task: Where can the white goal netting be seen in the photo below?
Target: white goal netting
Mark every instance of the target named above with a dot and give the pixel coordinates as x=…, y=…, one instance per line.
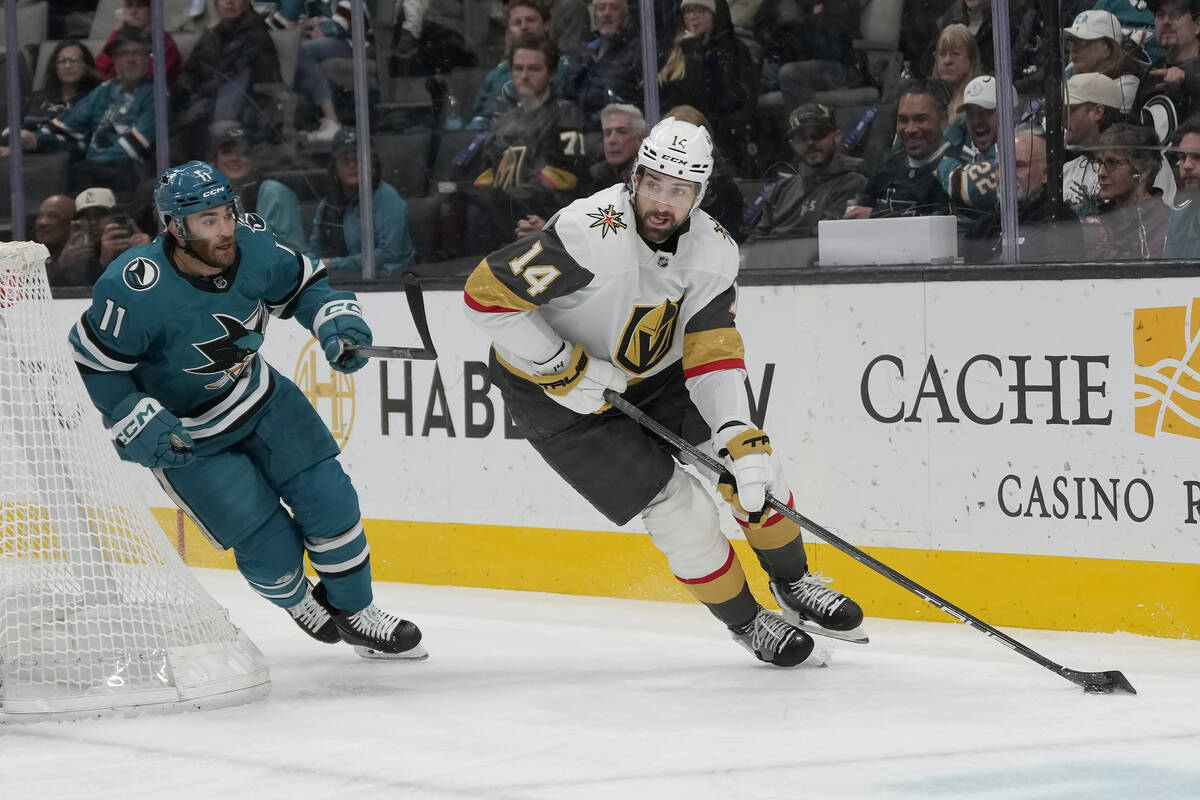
x=97, y=611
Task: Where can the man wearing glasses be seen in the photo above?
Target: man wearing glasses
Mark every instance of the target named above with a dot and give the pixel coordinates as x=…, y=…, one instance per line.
x=110, y=132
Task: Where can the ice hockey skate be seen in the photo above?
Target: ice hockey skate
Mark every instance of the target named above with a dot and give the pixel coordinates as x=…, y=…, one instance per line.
x=809, y=603
x=774, y=640
x=377, y=634
x=313, y=615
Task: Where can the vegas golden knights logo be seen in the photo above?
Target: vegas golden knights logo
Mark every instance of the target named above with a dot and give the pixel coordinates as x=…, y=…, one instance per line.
x=648, y=336
x=320, y=383
x=508, y=172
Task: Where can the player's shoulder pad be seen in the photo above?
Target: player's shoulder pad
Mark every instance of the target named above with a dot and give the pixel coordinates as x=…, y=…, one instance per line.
x=595, y=230
x=137, y=271
x=711, y=247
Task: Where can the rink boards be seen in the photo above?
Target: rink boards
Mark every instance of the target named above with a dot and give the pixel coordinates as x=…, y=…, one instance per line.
x=1028, y=450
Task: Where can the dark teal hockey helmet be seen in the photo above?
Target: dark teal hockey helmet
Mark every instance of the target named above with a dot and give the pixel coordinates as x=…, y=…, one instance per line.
x=191, y=187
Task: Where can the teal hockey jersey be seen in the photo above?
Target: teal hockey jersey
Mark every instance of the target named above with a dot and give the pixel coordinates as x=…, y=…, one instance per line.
x=192, y=343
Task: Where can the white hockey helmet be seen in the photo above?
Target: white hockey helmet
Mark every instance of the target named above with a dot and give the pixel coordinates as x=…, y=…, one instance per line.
x=678, y=149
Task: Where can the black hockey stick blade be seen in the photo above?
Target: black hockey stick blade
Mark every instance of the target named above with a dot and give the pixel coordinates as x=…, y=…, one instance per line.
x=416, y=307
x=1093, y=682
x=1100, y=682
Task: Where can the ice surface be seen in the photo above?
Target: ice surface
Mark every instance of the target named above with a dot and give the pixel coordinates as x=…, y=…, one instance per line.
x=545, y=696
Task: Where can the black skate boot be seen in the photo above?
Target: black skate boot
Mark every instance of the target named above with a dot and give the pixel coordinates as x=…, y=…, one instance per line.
x=315, y=616
x=375, y=633
x=772, y=639
x=809, y=603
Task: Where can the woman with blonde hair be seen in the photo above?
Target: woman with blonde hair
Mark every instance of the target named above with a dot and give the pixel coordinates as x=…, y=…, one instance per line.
x=709, y=68
x=956, y=63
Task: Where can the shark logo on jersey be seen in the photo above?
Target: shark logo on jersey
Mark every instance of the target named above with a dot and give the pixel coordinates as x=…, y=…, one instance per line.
x=608, y=219
x=140, y=274
x=648, y=336
x=229, y=354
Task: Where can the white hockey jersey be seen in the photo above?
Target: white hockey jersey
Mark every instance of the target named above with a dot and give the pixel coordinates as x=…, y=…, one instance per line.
x=589, y=278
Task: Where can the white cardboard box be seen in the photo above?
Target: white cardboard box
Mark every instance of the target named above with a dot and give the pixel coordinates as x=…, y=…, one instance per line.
x=897, y=240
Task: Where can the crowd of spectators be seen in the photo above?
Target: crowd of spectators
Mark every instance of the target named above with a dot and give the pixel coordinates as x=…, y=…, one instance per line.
x=807, y=126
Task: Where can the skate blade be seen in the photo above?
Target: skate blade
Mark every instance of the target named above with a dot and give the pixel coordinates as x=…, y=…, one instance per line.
x=854, y=636
x=414, y=653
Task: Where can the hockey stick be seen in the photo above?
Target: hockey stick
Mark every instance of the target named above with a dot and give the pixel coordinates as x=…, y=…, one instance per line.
x=416, y=306
x=1094, y=682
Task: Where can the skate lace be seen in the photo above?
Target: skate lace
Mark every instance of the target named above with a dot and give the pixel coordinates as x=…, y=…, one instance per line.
x=770, y=632
x=309, y=613
x=374, y=622
x=813, y=591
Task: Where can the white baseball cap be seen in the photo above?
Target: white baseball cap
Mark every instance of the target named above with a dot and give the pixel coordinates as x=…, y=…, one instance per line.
x=96, y=197
x=1093, y=87
x=1093, y=24
x=981, y=92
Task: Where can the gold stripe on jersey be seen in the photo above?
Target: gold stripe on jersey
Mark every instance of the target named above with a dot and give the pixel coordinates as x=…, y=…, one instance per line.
x=485, y=292
x=720, y=586
x=486, y=178
x=706, y=351
x=557, y=178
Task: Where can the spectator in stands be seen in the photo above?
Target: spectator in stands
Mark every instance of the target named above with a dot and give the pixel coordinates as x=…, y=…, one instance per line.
x=1169, y=93
x=976, y=17
x=572, y=24
x=110, y=132
x=968, y=170
x=609, y=68
x=435, y=37
x=71, y=75
x=826, y=33
x=1133, y=214
x=1093, y=105
x=52, y=227
x=906, y=183
x=108, y=235
x=326, y=36
x=957, y=63
x=216, y=88
x=533, y=157
x=709, y=68
x=723, y=200
x=497, y=93
x=826, y=179
x=623, y=127
x=136, y=14
x=1096, y=44
x=1183, y=227
x=337, y=226
x=269, y=199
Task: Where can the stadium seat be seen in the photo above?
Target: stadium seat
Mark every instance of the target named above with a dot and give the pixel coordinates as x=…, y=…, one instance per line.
x=404, y=158
x=449, y=145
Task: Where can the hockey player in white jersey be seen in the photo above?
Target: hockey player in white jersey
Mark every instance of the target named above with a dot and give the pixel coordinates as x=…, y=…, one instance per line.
x=634, y=289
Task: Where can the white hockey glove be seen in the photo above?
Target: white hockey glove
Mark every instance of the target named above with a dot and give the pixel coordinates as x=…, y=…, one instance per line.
x=747, y=453
x=577, y=381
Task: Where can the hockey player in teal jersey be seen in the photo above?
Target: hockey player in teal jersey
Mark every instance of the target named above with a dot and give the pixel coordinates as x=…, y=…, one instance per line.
x=168, y=351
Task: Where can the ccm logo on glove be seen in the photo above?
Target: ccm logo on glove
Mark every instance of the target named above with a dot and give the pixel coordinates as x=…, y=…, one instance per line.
x=135, y=422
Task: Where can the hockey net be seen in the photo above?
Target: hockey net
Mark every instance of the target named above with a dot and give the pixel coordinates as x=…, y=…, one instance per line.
x=97, y=611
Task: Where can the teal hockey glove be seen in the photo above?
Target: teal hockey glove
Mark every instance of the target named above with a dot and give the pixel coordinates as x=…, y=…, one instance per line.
x=150, y=435
x=341, y=325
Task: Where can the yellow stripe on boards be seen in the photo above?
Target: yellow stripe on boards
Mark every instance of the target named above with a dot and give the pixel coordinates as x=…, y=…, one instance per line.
x=1051, y=592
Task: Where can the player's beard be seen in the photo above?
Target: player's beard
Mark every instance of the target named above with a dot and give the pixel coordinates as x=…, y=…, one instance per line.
x=656, y=234
x=217, y=252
